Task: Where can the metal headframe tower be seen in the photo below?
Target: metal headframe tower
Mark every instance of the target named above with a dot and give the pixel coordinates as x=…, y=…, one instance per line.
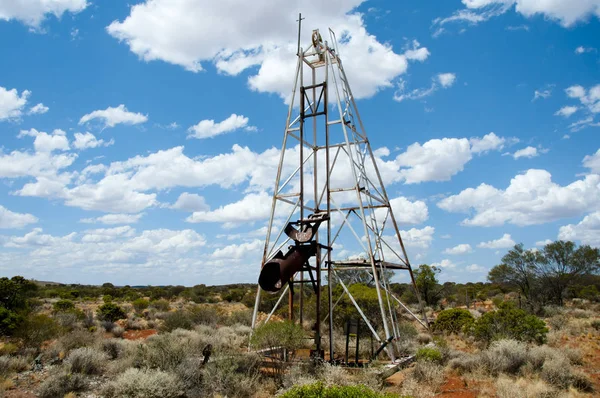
x=329, y=192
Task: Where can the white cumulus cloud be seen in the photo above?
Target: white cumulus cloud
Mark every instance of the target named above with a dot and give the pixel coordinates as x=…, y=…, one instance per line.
x=190, y=33
x=587, y=231
x=33, y=12
x=208, y=128
x=592, y=162
x=566, y=111
x=12, y=103
x=38, y=109
x=463, y=248
x=45, y=142
x=528, y=152
x=113, y=116
x=567, y=13
x=502, y=243
x=190, y=202
x=113, y=219
x=89, y=140
x=531, y=198
x=11, y=219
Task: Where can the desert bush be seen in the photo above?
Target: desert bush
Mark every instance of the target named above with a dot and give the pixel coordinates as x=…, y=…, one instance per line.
x=108, y=325
x=596, y=324
x=574, y=355
x=177, y=320
x=147, y=383
x=581, y=381
x=232, y=376
x=319, y=389
x=111, y=312
x=160, y=305
x=11, y=364
x=136, y=323
x=66, y=320
x=424, y=338
x=63, y=306
x=581, y=314
x=453, y=320
x=406, y=347
x=466, y=363
x=9, y=321
x=507, y=387
x=537, y=356
x=509, y=322
x=140, y=304
x=112, y=348
x=557, y=322
x=428, y=372
x=557, y=372
x=425, y=379
x=76, y=339
x=406, y=331
x=8, y=349
x=285, y=334
x=37, y=328
x=118, y=331
x=203, y=315
x=243, y=317
x=86, y=360
x=88, y=319
x=505, y=356
x=163, y=351
x=430, y=354
x=60, y=384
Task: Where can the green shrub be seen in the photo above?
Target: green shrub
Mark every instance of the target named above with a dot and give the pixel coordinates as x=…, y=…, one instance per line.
x=161, y=305
x=140, y=304
x=287, y=334
x=453, y=320
x=111, y=312
x=148, y=383
x=9, y=321
x=63, y=306
x=407, y=331
x=509, y=322
x=203, y=315
x=36, y=329
x=430, y=354
x=58, y=385
x=319, y=390
x=177, y=320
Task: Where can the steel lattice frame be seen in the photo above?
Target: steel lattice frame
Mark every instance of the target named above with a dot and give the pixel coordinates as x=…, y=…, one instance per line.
x=330, y=139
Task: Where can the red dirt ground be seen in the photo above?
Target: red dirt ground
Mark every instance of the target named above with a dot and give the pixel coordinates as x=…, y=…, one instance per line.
x=139, y=334
x=455, y=387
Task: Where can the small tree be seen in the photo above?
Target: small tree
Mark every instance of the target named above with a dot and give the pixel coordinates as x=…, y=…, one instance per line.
x=426, y=281
x=111, y=312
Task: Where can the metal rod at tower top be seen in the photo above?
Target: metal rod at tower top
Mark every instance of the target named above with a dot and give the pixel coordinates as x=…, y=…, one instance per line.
x=299, y=32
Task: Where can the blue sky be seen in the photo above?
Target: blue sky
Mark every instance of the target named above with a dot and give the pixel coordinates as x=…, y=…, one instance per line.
x=139, y=141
